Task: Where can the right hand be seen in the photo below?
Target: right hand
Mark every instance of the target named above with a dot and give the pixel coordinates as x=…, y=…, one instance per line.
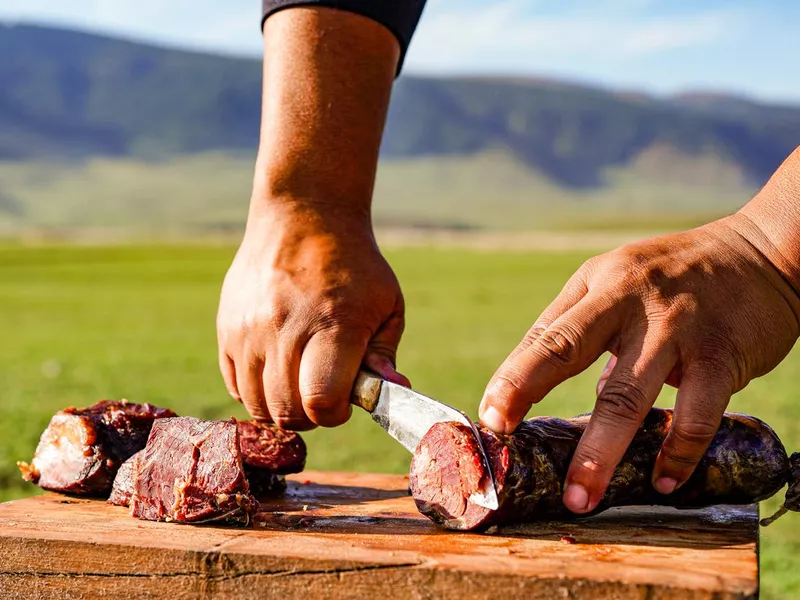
x=308, y=300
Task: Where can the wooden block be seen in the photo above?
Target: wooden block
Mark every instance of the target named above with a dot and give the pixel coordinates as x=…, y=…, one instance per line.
x=347, y=535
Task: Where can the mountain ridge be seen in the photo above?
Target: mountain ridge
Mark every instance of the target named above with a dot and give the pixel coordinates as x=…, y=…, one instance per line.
x=70, y=95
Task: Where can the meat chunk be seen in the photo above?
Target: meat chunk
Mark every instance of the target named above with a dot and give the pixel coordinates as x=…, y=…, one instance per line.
x=122, y=490
x=746, y=462
x=267, y=453
x=192, y=471
x=268, y=447
x=81, y=449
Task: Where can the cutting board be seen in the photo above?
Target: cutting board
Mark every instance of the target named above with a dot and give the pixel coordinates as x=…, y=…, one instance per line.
x=348, y=535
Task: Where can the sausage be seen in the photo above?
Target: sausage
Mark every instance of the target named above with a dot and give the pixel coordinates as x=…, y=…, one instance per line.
x=746, y=462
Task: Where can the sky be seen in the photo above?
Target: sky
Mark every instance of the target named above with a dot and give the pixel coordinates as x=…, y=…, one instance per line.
x=746, y=47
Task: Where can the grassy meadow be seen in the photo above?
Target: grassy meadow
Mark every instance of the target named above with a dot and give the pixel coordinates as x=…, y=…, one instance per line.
x=83, y=323
x=207, y=194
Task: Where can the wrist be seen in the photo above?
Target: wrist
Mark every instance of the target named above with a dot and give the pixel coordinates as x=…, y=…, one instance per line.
x=300, y=216
x=771, y=220
x=286, y=183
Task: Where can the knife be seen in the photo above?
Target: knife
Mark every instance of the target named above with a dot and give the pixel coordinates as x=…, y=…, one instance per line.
x=407, y=416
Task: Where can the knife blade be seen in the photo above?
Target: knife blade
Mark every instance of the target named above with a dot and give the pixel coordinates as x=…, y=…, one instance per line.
x=407, y=416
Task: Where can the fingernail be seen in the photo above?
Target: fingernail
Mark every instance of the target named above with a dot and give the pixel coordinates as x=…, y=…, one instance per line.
x=576, y=498
x=394, y=377
x=666, y=485
x=601, y=383
x=607, y=369
x=386, y=369
x=492, y=419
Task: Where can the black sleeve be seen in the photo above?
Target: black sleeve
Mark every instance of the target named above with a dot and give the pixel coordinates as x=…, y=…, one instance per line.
x=399, y=16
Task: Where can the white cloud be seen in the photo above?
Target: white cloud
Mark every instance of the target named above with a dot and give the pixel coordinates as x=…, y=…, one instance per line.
x=461, y=37
x=200, y=24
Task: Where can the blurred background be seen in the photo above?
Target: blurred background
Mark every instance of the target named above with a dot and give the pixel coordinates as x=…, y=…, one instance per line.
x=523, y=137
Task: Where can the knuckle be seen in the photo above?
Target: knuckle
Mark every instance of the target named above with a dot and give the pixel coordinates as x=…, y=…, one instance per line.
x=716, y=345
x=252, y=361
x=560, y=345
x=630, y=259
x=692, y=435
x=277, y=316
x=673, y=316
x=722, y=364
x=535, y=332
x=591, y=461
x=270, y=316
x=321, y=401
x=592, y=266
x=621, y=402
x=337, y=319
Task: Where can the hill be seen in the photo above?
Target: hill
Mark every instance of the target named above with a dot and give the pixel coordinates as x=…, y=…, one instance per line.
x=67, y=94
x=98, y=132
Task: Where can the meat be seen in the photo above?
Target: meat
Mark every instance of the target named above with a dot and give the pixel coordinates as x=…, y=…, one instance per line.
x=268, y=447
x=262, y=482
x=268, y=452
x=122, y=490
x=81, y=449
x=746, y=462
x=191, y=471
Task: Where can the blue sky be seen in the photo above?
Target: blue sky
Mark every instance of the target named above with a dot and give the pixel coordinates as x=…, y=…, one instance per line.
x=663, y=46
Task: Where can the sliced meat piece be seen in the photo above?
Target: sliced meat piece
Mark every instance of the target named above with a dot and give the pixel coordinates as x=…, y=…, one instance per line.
x=267, y=453
x=81, y=449
x=122, y=490
x=269, y=447
x=192, y=471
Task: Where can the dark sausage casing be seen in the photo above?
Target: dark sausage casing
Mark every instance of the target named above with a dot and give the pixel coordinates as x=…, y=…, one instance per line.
x=745, y=463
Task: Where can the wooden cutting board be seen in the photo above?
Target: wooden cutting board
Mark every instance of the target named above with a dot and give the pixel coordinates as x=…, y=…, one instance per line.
x=348, y=535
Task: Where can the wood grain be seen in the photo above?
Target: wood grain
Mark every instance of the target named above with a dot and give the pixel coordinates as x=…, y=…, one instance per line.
x=346, y=535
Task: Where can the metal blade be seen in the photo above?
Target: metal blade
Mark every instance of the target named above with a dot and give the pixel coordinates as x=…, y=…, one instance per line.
x=407, y=416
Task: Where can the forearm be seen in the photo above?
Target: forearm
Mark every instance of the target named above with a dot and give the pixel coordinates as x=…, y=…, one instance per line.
x=771, y=220
x=327, y=81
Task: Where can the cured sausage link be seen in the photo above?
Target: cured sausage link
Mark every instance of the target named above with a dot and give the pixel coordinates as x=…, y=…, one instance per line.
x=746, y=462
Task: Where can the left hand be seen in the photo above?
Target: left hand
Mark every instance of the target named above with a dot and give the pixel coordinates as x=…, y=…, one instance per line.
x=704, y=310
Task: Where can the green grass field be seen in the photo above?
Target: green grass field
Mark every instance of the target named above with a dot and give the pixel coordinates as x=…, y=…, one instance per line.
x=208, y=194
x=79, y=324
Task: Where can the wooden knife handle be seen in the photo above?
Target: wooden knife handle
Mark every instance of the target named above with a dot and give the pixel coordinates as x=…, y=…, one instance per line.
x=366, y=391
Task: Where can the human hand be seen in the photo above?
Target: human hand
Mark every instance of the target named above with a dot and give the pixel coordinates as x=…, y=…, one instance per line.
x=307, y=300
x=705, y=311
